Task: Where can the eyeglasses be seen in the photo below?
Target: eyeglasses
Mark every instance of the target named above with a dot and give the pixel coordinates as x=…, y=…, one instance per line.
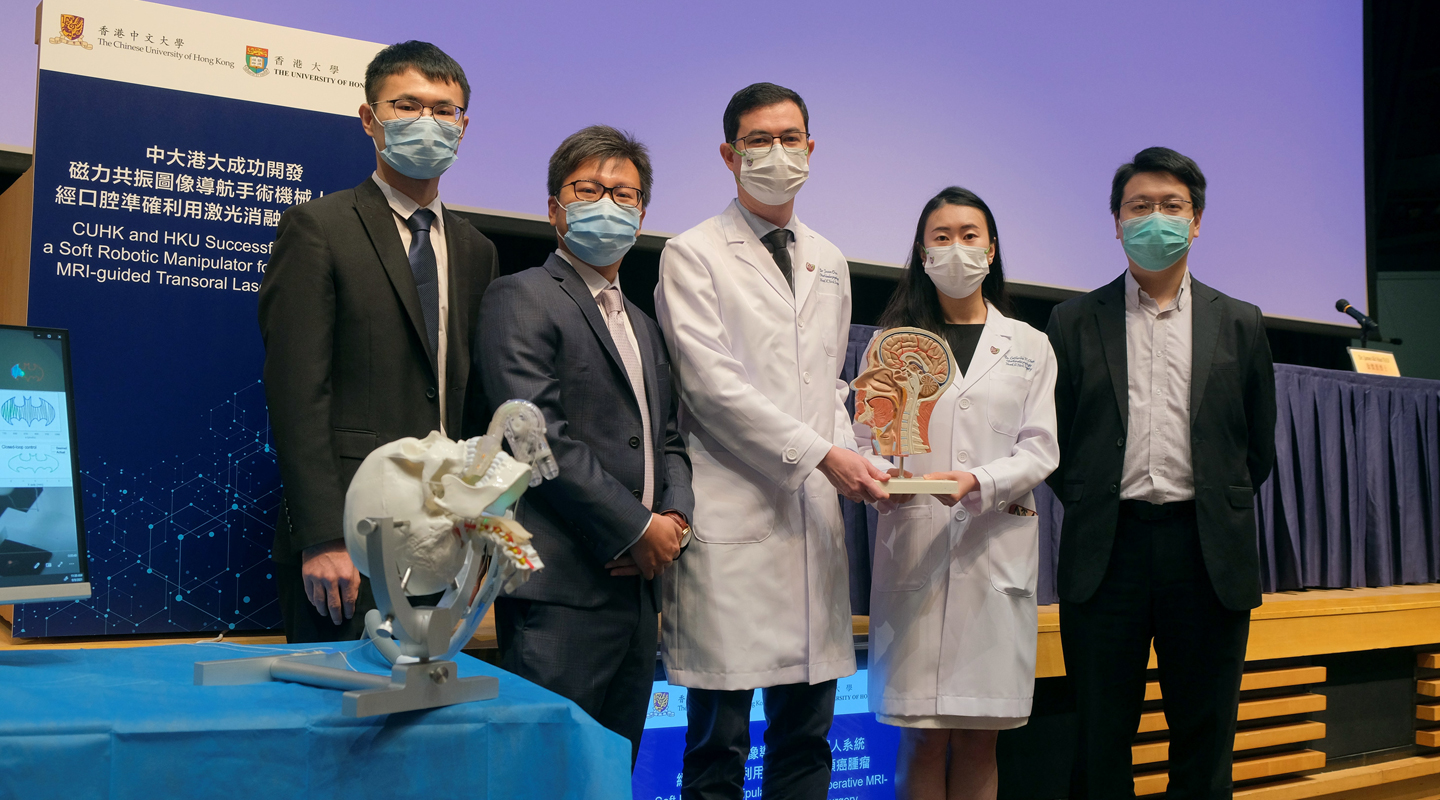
x=1139, y=208
x=590, y=191
x=448, y=113
x=762, y=142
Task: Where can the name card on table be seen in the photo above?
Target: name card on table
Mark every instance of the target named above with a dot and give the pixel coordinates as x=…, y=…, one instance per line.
x=1374, y=362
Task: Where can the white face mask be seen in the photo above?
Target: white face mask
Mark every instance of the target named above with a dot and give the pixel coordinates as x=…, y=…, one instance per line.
x=776, y=176
x=957, y=269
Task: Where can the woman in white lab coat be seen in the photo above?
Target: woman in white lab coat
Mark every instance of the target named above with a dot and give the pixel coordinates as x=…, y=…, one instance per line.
x=952, y=604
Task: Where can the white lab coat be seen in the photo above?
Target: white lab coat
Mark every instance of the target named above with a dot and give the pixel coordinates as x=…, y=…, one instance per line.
x=952, y=603
x=761, y=597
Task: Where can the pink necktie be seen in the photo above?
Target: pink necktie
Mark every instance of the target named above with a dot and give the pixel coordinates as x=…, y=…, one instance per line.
x=614, y=305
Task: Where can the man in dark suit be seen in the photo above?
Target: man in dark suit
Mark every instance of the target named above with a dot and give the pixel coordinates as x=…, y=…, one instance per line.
x=563, y=336
x=366, y=309
x=1166, y=409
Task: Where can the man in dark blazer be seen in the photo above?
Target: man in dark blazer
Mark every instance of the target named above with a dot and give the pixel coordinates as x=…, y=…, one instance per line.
x=563, y=336
x=366, y=309
x=1166, y=409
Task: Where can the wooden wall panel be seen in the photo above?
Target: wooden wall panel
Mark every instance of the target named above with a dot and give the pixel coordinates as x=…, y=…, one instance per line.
x=15, y=210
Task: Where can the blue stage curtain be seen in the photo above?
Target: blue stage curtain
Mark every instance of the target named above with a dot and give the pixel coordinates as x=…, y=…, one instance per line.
x=1354, y=499
x=1355, y=496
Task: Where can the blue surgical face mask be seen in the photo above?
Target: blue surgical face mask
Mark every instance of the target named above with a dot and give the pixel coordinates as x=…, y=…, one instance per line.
x=1155, y=241
x=420, y=148
x=600, y=232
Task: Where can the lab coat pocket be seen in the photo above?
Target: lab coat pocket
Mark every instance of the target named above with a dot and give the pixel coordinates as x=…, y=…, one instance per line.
x=737, y=506
x=1014, y=554
x=1006, y=401
x=906, y=535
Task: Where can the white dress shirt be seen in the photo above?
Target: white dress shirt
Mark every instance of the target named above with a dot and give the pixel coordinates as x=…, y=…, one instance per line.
x=403, y=208
x=596, y=283
x=1159, y=345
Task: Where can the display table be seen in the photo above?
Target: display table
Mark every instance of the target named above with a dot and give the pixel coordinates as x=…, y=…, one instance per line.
x=129, y=723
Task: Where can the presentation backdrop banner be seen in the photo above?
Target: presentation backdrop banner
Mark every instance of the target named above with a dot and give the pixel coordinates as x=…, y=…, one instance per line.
x=167, y=144
x=862, y=749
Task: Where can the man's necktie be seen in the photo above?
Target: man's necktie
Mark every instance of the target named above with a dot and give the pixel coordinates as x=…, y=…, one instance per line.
x=613, y=303
x=776, y=242
x=427, y=276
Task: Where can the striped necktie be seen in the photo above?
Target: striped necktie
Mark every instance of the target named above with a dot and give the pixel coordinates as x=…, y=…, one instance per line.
x=614, y=306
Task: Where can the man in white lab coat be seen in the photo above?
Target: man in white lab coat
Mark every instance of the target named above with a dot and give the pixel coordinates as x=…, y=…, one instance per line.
x=755, y=307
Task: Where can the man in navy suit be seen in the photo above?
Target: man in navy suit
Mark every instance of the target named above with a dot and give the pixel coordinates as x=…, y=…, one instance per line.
x=563, y=336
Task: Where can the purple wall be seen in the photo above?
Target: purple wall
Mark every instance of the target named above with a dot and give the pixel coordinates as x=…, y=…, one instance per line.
x=1030, y=104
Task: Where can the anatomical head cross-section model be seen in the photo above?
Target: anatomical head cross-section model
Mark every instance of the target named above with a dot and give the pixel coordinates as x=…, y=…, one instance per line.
x=906, y=369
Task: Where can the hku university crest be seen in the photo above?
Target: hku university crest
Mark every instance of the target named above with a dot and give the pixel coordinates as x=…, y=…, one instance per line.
x=257, y=60
x=72, y=31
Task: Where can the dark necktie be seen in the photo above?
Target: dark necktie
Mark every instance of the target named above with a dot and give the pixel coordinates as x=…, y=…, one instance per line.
x=427, y=276
x=776, y=242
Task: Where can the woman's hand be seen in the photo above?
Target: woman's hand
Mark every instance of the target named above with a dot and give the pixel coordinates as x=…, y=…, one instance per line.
x=968, y=483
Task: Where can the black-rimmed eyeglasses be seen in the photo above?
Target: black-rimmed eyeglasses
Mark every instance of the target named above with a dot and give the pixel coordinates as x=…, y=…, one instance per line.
x=590, y=191
x=448, y=113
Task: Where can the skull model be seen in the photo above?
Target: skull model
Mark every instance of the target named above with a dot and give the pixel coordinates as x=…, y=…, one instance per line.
x=442, y=491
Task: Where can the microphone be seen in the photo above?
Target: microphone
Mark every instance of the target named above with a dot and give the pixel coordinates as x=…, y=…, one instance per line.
x=1366, y=324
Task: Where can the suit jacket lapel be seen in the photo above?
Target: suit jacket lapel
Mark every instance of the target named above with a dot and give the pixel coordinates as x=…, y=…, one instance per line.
x=379, y=223
x=574, y=285
x=647, y=365
x=1110, y=317
x=1205, y=330
x=746, y=246
x=457, y=346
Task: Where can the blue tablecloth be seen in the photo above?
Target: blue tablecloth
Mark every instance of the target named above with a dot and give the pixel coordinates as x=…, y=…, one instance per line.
x=1354, y=499
x=128, y=723
x=1355, y=496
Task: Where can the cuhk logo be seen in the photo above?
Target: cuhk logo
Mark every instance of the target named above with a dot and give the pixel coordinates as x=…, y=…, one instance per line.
x=660, y=703
x=72, y=31
x=257, y=60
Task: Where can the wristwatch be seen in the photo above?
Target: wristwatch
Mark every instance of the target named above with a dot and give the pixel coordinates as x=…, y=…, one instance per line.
x=685, y=529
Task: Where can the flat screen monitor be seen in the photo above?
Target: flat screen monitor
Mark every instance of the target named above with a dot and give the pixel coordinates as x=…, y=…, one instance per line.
x=42, y=527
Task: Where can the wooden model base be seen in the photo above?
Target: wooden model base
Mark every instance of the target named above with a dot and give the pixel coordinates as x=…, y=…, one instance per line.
x=919, y=486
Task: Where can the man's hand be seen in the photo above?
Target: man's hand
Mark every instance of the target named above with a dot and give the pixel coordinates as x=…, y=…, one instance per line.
x=854, y=476
x=331, y=581
x=897, y=499
x=653, y=553
x=968, y=483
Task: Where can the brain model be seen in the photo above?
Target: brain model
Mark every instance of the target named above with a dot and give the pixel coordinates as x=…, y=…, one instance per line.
x=906, y=369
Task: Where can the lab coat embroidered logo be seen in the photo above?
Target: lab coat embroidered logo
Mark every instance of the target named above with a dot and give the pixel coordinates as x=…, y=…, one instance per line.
x=809, y=267
x=994, y=351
